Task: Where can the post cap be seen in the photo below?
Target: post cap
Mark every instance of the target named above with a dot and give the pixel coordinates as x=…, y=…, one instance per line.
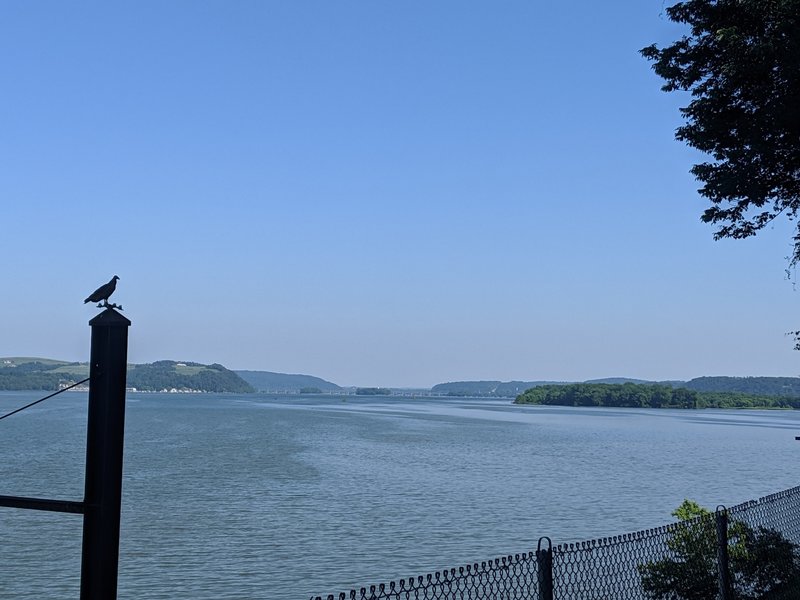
x=109, y=318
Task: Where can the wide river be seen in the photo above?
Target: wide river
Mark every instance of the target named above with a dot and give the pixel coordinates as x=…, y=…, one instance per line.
x=264, y=496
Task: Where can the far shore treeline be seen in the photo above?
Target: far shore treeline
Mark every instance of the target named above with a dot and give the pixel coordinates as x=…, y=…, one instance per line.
x=46, y=374
x=30, y=373
x=636, y=395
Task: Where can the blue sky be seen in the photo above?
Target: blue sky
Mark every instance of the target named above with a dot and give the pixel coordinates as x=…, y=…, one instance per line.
x=374, y=192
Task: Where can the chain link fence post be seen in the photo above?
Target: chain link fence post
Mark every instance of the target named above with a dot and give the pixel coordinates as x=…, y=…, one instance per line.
x=723, y=563
x=544, y=569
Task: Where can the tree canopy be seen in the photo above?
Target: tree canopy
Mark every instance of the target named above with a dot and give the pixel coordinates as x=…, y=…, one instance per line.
x=763, y=563
x=167, y=374
x=741, y=65
x=646, y=396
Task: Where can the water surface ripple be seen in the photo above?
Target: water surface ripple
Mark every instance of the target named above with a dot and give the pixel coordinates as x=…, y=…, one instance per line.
x=263, y=496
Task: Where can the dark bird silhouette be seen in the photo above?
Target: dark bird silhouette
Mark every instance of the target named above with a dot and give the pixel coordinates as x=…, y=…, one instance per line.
x=103, y=293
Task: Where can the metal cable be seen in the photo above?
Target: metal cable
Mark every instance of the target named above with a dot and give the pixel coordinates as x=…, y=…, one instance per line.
x=69, y=387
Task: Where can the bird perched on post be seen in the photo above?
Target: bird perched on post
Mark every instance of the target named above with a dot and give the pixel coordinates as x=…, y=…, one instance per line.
x=103, y=293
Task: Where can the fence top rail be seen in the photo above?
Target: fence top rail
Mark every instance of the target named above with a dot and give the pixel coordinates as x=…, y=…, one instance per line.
x=670, y=527
x=783, y=494
x=625, y=538
x=443, y=577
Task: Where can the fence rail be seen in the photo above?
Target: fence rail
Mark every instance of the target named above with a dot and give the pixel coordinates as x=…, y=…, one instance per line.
x=746, y=552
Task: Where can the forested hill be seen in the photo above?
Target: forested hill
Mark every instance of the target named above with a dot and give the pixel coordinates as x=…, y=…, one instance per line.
x=25, y=373
x=755, y=386
x=647, y=396
x=763, y=386
x=511, y=389
x=170, y=375
x=507, y=389
x=46, y=374
x=266, y=381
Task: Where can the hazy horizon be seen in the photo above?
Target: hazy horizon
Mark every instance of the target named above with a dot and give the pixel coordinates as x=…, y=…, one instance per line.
x=383, y=384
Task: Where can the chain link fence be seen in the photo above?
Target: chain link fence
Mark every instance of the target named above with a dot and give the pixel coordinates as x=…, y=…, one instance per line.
x=510, y=578
x=748, y=552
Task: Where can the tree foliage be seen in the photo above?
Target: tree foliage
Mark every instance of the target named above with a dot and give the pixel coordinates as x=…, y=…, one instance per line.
x=741, y=65
x=38, y=375
x=762, y=562
x=754, y=386
x=30, y=381
x=637, y=395
x=160, y=375
x=373, y=391
x=163, y=374
x=310, y=390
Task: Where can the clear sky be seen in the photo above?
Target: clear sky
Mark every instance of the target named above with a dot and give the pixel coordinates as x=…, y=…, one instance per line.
x=374, y=192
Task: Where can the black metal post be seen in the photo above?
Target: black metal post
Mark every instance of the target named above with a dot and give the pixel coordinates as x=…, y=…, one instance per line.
x=723, y=564
x=544, y=568
x=104, y=445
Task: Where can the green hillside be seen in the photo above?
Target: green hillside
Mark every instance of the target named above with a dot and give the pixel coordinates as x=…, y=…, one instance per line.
x=29, y=373
x=266, y=381
x=33, y=373
x=172, y=375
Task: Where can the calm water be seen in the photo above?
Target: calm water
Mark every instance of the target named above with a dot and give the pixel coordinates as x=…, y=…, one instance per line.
x=283, y=497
